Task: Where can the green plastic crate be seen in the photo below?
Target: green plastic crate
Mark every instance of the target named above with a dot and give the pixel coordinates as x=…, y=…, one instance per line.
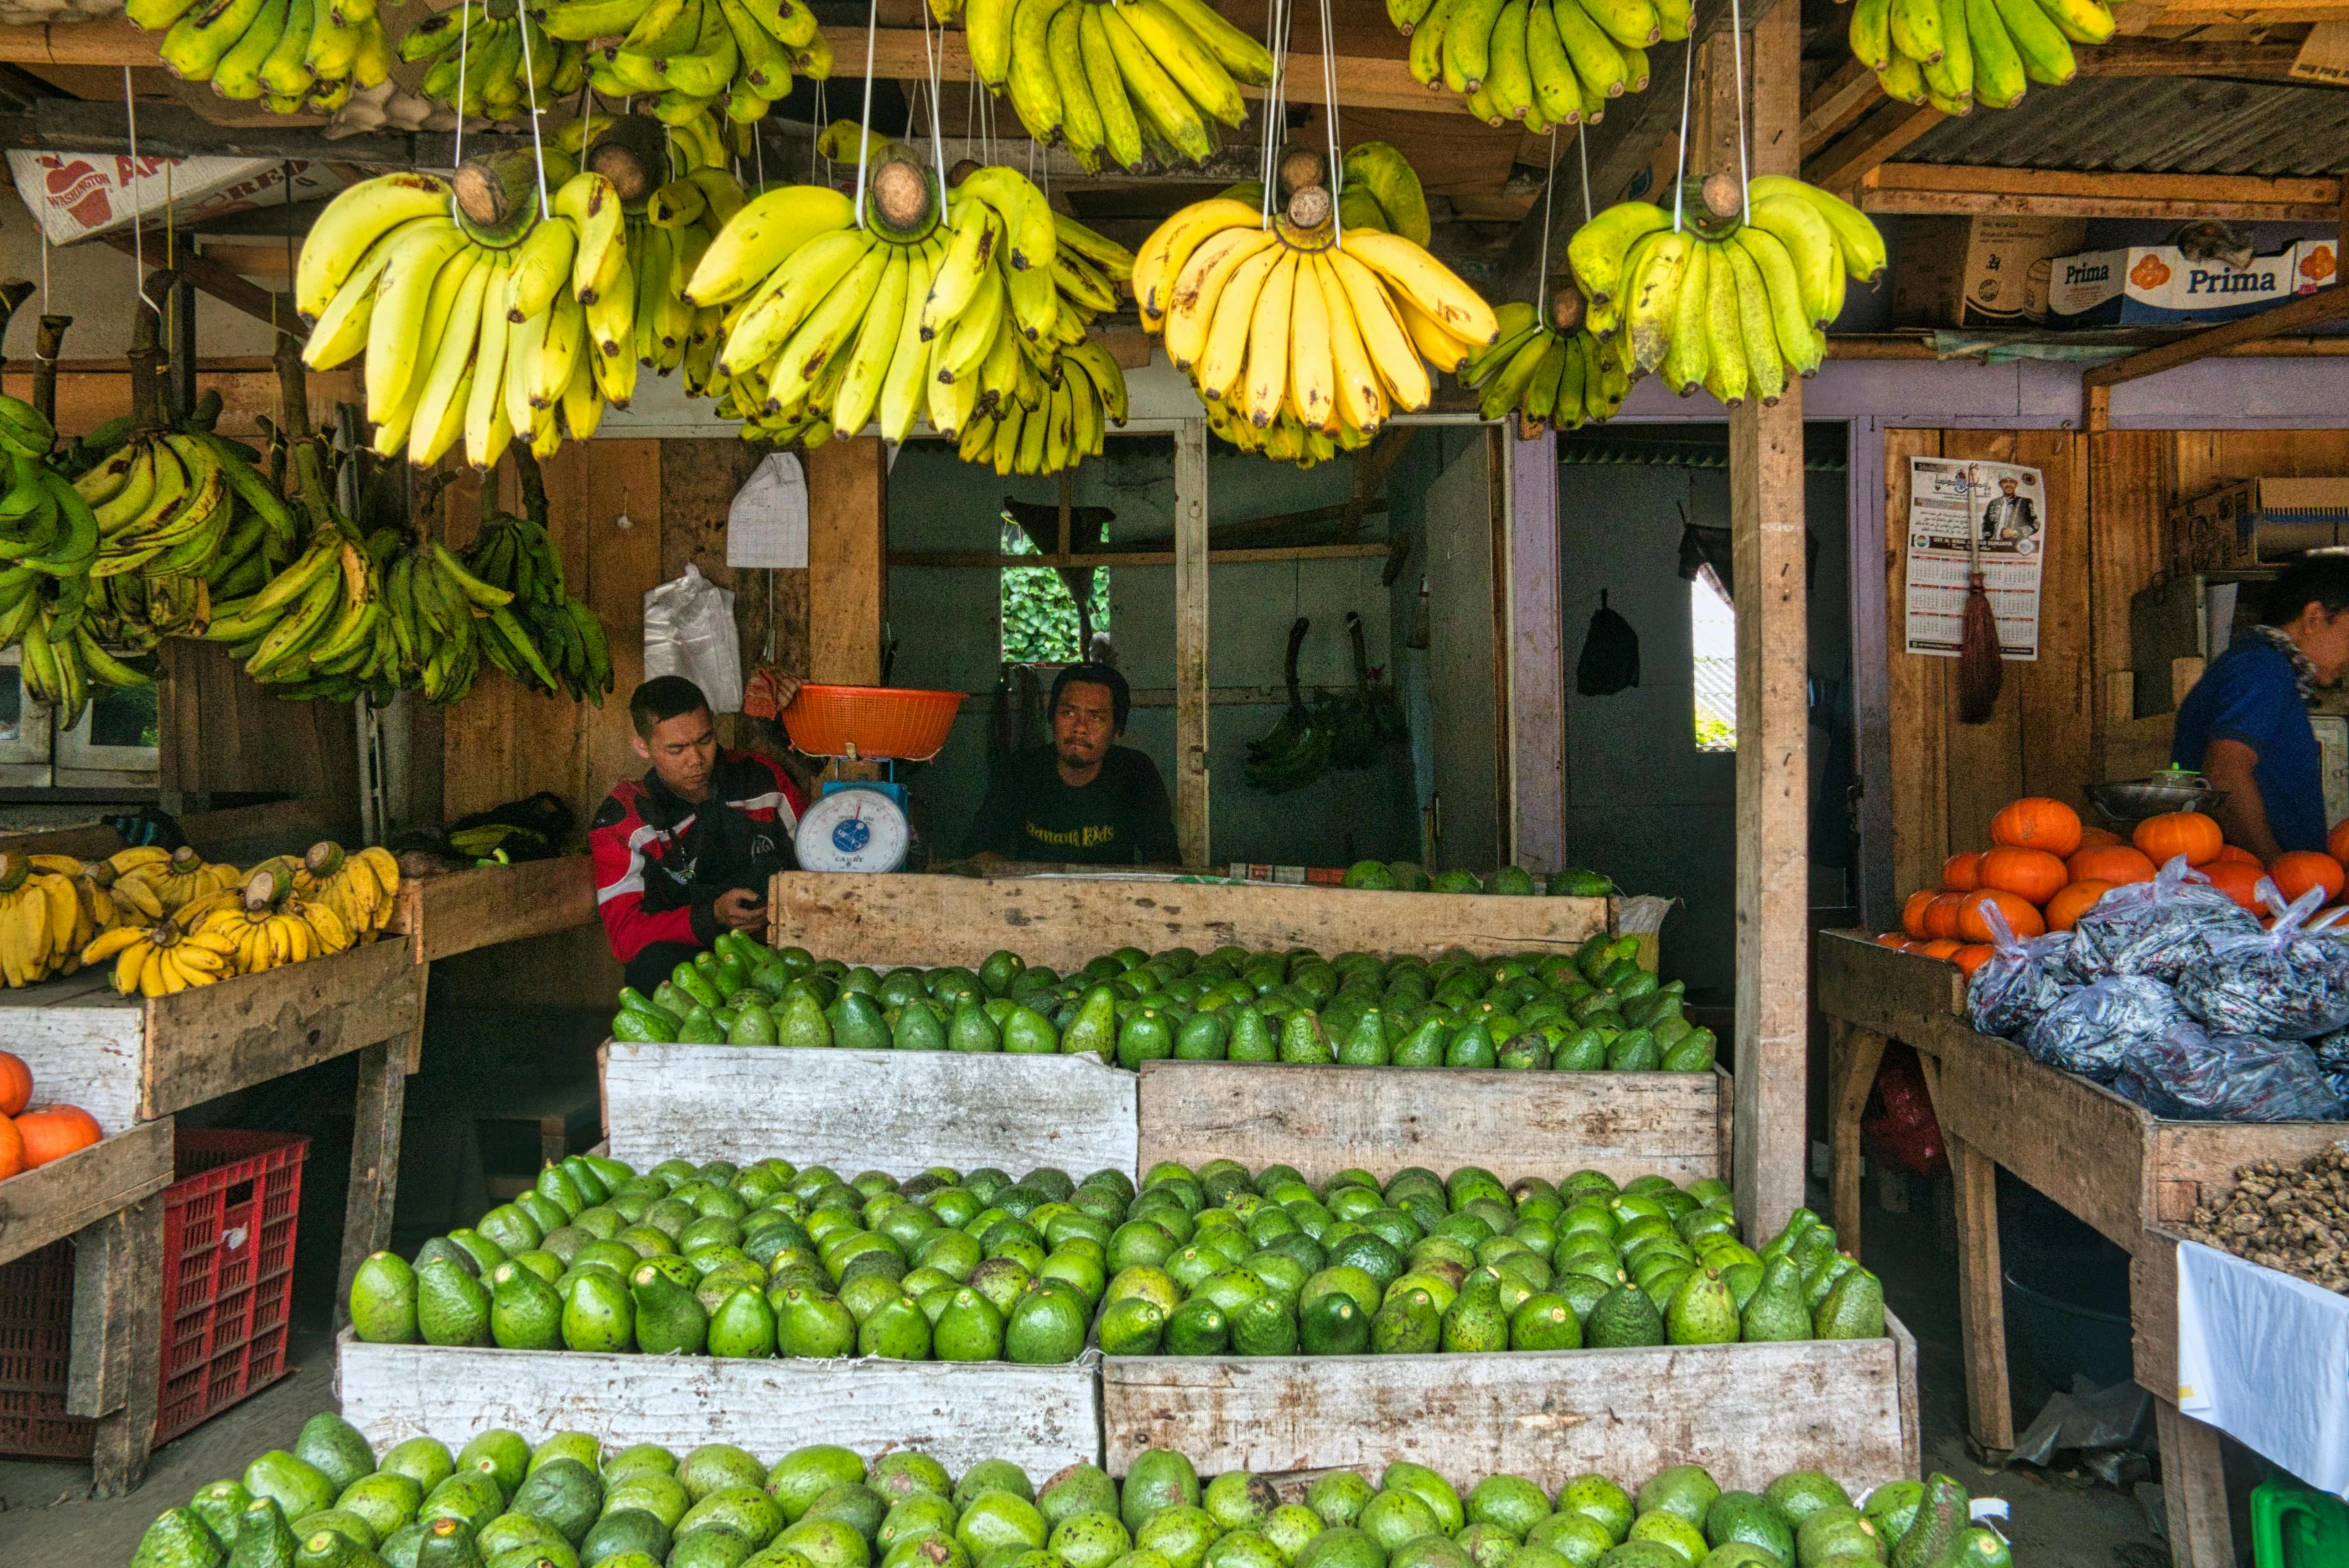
x=2293, y=1527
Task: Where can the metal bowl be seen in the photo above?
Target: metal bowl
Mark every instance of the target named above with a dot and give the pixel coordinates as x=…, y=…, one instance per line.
x=2133, y=800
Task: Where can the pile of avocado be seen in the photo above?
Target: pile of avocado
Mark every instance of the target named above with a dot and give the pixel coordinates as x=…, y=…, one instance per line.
x=762, y=1260
x=1595, y=1009
x=499, y=1503
x=1212, y=1264
x=1405, y=876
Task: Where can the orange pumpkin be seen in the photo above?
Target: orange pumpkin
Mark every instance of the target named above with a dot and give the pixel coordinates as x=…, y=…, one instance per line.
x=51, y=1132
x=1971, y=957
x=1912, y=913
x=2099, y=838
x=2337, y=841
x=2036, y=822
x=1943, y=947
x=11, y=1149
x=2021, y=915
x=2238, y=853
x=2077, y=898
x=1941, y=916
x=2033, y=873
x=2110, y=863
x=16, y=1084
x=1962, y=872
x=2238, y=881
x=2190, y=833
x=2298, y=870
x=1894, y=940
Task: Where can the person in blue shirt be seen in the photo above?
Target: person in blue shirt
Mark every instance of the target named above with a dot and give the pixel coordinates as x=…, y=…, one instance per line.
x=2245, y=726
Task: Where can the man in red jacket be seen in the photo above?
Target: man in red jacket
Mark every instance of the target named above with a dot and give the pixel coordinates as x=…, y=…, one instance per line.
x=685, y=852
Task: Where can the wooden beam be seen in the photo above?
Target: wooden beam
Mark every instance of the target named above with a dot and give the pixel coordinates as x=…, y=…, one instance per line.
x=1836, y=104
x=170, y=131
x=1772, y=1144
x=1192, y=699
x=1537, y=658
x=1883, y=135
x=1081, y=558
x=2079, y=193
x=2292, y=316
x=847, y=486
x=219, y=280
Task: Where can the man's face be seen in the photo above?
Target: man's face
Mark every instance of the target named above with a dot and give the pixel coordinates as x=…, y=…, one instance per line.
x=1084, y=722
x=2006, y=487
x=683, y=751
x=2325, y=639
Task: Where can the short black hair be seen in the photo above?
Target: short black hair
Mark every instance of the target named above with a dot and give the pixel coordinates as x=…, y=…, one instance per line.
x=1121, y=696
x=2307, y=580
x=661, y=698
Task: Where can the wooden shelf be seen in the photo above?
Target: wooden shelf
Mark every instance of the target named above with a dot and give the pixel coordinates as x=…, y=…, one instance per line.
x=51, y=1202
x=459, y=911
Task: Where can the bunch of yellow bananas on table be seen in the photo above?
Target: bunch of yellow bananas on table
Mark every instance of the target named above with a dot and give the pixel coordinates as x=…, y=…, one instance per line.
x=295, y=56
x=1137, y=83
x=356, y=885
x=50, y=907
x=959, y=307
x=1302, y=341
x=1954, y=54
x=159, y=899
x=1539, y=62
x=1548, y=378
x=1731, y=305
x=152, y=882
x=498, y=54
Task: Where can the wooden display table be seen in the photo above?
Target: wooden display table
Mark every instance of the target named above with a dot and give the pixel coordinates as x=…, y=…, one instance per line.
x=107, y=1197
x=131, y=1063
x=458, y=911
x=2105, y=1159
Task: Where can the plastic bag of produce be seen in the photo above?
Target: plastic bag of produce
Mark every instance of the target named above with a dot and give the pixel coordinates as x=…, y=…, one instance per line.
x=2156, y=928
x=2281, y=983
x=2092, y=1029
x=2015, y=984
x=2187, y=1073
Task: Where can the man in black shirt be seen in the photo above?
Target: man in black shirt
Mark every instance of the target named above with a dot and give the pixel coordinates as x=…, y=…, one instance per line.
x=1083, y=799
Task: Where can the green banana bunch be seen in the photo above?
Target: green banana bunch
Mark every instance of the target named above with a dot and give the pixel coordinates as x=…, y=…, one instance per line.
x=1546, y=377
x=561, y=646
x=293, y=56
x=1953, y=54
x=507, y=65
x=1541, y=63
x=695, y=59
x=1142, y=84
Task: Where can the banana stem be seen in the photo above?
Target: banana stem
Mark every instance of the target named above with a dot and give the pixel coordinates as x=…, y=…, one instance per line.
x=633, y=153
x=146, y=351
x=497, y=196
x=46, y=347
x=533, y=484
x=13, y=870
x=269, y=884
x=324, y=859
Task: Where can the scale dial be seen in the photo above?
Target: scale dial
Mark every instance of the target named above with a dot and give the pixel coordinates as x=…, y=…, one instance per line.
x=853, y=830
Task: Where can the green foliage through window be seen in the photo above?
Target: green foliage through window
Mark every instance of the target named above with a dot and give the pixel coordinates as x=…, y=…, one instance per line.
x=1040, y=623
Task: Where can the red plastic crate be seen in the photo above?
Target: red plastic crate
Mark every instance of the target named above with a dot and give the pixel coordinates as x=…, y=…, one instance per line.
x=228, y=1279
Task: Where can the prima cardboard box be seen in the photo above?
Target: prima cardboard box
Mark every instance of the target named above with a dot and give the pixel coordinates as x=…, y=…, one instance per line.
x=1991, y=271
x=2159, y=285
x=2249, y=523
x=74, y=195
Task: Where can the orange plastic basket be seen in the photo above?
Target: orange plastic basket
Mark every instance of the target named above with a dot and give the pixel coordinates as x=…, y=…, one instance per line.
x=873, y=721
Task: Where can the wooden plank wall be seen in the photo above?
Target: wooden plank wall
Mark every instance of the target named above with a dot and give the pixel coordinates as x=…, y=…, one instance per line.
x=2109, y=498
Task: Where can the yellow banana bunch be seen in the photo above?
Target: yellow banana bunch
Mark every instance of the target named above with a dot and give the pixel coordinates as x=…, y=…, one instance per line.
x=1731, y=306
x=1538, y=62
x=168, y=955
x=958, y=309
x=1546, y=377
x=1302, y=334
x=1061, y=426
x=355, y=886
x=154, y=882
x=97, y=911
x=269, y=921
x=1954, y=54
x=40, y=913
x=293, y=56
x=1138, y=83
x=508, y=65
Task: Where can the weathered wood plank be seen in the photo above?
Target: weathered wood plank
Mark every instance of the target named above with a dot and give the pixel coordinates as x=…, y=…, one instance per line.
x=1191, y=579
x=53, y=1201
x=212, y=1041
x=375, y=1159
x=1917, y=690
x=1745, y=1412
x=2153, y=1315
x=2193, y=1489
x=2193, y=1163
x=1853, y=1055
x=1981, y=1302
x=1323, y=1120
x=464, y=910
x=284, y=826
x=848, y=573
x=1067, y=921
x=133, y=1351
x=1040, y=1418
x=894, y=1111
x=1884, y=989
x=84, y=1044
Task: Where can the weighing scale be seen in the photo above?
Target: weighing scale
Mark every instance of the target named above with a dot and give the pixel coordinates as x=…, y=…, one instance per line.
x=855, y=825
x=861, y=824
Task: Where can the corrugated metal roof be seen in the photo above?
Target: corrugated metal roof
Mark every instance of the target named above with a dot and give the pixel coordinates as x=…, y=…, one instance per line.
x=1706, y=445
x=2154, y=125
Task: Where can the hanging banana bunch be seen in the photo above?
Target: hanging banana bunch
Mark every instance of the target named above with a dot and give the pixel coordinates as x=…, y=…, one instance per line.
x=1538, y=62
x=1302, y=341
x=694, y=58
x=48, y=543
x=959, y=310
x=1550, y=378
x=356, y=885
x=561, y=645
x=1729, y=305
x=1953, y=54
x=294, y=56
x=1142, y=84
x=498, y=54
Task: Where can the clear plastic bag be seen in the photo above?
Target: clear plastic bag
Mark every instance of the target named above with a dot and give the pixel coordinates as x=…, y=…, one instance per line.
x=2187, y=1073
x=2014, y=985
x=2282, y=984
x=2091, y=1030
x=2156, y=928
x=689, y=630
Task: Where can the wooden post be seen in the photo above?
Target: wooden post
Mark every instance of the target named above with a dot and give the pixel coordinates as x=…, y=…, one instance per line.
x=1191, y=695
x=848, y=523
x=117, y=1359
x=1537, y=659
x=2193, y=1489
x=1773, y=794
x=375, y=1157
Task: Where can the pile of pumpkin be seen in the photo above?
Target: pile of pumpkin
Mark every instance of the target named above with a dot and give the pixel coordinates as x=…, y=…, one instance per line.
x=33, y=1135
x=2045, y=869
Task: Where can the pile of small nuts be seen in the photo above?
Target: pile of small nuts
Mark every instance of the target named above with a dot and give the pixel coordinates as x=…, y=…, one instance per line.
x=2282, y=1218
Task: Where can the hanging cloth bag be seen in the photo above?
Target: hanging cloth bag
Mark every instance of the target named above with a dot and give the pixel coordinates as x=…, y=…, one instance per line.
x=1610, y=654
